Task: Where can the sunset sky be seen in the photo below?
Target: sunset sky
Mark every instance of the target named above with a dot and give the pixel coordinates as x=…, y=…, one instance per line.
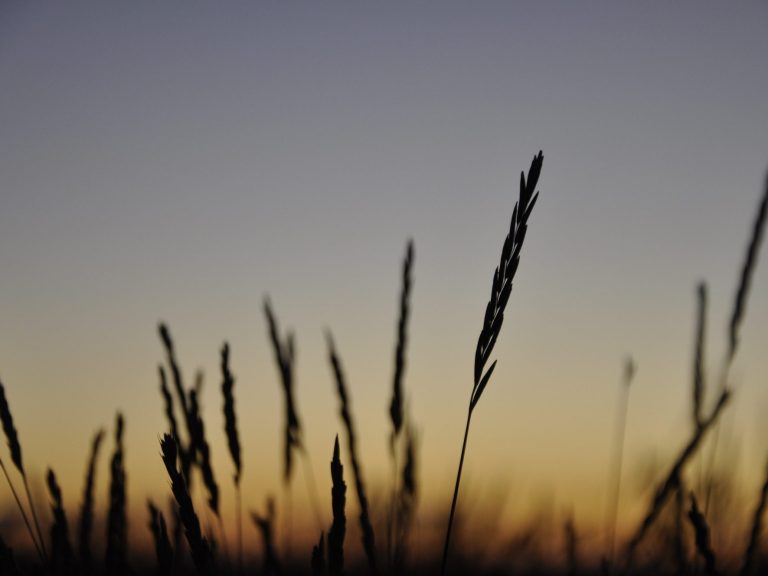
x=180, y=161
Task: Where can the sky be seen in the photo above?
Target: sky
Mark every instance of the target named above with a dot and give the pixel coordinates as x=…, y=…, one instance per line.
x=178, y=162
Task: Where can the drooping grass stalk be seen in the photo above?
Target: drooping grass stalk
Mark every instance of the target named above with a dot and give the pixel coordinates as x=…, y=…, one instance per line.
x=233, y=442
x=117, y=524
x=756, y=531
x=201, y=553
x=265, y=524
x=86, y=510
x=396, y=404
x=163, y=548
x=501, y=289
x=672, y=479
x=339, y=526
x=61, y=549
x=701, y=531
x=369, y=543
x=14, y=446
x=618, y=456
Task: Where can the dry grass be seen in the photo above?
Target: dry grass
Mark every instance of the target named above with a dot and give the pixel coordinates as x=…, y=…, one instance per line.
x=328, y=554
x=338, y=502
x=701, y=532
x=369, y=542
x=86, y=510
x=265, y=523
x=756, y=530
x=62, y=559
x=163, y=548
x=116, y=556
x=14, y=446
x=198, y=546
x=501, y=289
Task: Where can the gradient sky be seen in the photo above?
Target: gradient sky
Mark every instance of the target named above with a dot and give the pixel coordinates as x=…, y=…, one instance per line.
x=179, y=161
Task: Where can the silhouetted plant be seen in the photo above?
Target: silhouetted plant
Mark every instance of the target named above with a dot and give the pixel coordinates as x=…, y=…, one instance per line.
x=61, y=549
x=698, y=355
x=571, y=545
x=618, y=457
x=187, y=453
x=369, y=544
x=756, y=530
x=163, y=548
x=117, y=523
x=672, y=479
x=317, y=563
x=14, y=446
x=396, y=404
x=338, y=502
x=501, y=289
x=201, y=447
x=86, y=509
x=284, y=358
x=737, y=315
x=233, y=441
x=406, y=499
x=7, y=561
x=265, y=524
x=201, y=553
x=701, y=531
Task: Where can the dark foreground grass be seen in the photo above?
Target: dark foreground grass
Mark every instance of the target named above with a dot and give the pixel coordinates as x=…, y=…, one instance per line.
x=673, y=536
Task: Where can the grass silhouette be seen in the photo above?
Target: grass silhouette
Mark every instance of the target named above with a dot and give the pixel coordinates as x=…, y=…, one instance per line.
x=673, y=535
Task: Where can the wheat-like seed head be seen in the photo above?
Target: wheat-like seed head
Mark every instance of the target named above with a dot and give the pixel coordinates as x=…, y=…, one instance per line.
x=230, y=420
x=14, y=446
x=501, y=287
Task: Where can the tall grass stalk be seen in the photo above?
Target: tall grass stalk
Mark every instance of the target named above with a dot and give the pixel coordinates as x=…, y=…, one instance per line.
x=117, y=528
x=701, y=532
x=339, y=526
x=501, y=289
x=737, y=316
x=265, y=524
x=756, y=530
x=23, y=513
x=673, y=478
x=198, y=545
x=233, y=442
x=163, y=548
x=61, y=549
x=14, y=446
x=618, y=456
x=86, y=509
x=366, y=527
x=187, y=453
x=284, y=350
x=396, y=404
x=317, y=563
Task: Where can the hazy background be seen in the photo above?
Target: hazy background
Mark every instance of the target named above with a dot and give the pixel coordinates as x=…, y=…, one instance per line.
x=178, y=161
